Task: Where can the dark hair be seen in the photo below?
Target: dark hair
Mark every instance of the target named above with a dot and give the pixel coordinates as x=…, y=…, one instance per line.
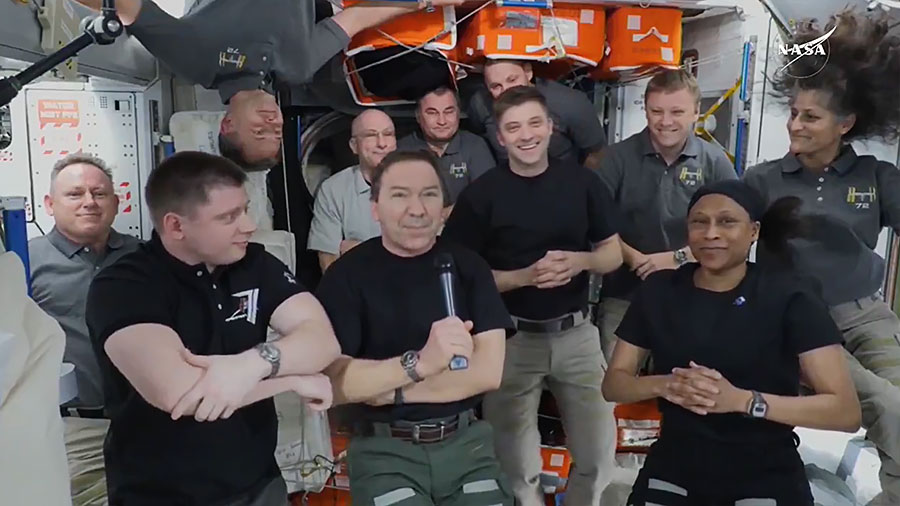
x=517, y=96
x=399, y=156
x=232, y=151
x=439, y=91
x=672, y=80
x=779, y=222
x=183, y=181
x=859, y=73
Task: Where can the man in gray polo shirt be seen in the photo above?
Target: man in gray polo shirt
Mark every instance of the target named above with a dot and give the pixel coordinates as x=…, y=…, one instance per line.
x=464, y=156
x=577, y=133
x=342, y=213
x=652, y=176
x=83, y=204
x=243, y=49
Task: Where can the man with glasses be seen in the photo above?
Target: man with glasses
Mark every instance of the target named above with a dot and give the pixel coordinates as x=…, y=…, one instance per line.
x=342, y=214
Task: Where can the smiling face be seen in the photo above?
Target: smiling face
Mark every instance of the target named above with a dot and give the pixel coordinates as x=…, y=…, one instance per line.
x=813, y=127
x=409, y=207
x=82, y=203
x=671, y=117
x=502, y=75
x=525, y=131
x=372, y=138
x=720, y=232
x=254, y=123
x=438, y=116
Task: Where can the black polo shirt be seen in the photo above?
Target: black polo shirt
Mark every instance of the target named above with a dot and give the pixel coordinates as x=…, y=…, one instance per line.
x=752, y=334
x=151, y=459
x=382, y=305
x=512, y=221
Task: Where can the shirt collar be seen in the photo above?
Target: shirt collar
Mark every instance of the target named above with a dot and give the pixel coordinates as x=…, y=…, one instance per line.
x=453, y=147
x=230, y=87
x=691, y=147
x=69, y=248
x=66, y=246
x=842, y=164
x=359, y=181
x=190, y=272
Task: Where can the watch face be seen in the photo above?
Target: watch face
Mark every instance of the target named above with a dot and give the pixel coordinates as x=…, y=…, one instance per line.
x=409, y=359
x=270, y=352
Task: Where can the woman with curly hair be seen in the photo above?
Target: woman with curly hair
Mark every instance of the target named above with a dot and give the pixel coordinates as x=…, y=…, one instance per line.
x=851, y=94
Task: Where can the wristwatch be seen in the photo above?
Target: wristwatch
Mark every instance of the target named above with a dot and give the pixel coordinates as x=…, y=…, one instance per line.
x=271, y=354
x=409, y=360
x=681, y=256
x=758, y=405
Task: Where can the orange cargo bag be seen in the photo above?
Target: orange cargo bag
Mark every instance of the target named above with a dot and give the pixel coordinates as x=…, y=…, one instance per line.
x=637, y=426
x=642, y=39
x=432, y=30
x=569, y=30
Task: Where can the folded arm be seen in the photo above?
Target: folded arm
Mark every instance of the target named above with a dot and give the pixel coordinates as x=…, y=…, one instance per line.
x=483, y=374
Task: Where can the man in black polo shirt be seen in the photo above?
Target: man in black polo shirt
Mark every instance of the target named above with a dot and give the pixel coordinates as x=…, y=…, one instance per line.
x=542, y=225
x=416, y=440
x=244, y=49
x=179, y=328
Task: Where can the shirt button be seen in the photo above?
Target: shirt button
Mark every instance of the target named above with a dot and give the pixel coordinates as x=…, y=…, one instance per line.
x=818, y=188
x=199, y=273
x=265, y=58
x=819, y=199
x=262, y=73
x=821, y=179
x=220, y=306
x=87, y=250
x=214, y=286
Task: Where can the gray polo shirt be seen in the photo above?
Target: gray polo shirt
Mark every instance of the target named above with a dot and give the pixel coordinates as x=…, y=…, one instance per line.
x=466, y=157
x=61, y=273
x=849, y=203
x=652, y=197
x=342, y=210
x=576, y=127
x=236, y=45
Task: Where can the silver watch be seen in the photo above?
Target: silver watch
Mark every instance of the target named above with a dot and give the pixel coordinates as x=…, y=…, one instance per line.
x=681, y=256
x=758, y=406
x=271, y=354
x=409, y=360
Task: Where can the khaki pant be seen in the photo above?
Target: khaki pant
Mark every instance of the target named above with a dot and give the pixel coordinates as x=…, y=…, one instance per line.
x=612, y=311
x=461, y=470
x=571, y=364
x=872, y=342
x=84, y=450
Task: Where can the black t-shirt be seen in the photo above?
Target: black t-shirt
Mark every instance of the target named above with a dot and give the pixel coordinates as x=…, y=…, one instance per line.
x=151, y=459
x=382, y=305
x=752, y=334
x=512, y=221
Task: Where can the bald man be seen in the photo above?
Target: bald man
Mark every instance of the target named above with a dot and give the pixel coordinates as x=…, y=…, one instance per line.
x=342, y=215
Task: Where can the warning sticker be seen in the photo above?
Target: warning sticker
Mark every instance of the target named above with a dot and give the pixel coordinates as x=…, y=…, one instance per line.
x=59, y=121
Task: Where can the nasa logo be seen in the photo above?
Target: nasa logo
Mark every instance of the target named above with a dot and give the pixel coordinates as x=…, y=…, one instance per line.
x=817, y=48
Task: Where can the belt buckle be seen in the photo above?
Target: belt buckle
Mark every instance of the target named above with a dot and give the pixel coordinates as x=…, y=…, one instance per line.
x=417, y=431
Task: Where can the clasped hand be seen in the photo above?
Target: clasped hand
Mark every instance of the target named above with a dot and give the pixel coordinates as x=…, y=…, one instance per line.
x=703, y=391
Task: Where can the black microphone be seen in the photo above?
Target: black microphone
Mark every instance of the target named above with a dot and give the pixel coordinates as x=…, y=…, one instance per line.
x=444, y=262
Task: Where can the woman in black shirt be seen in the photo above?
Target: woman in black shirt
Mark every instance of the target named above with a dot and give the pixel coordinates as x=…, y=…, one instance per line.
x=730, y=342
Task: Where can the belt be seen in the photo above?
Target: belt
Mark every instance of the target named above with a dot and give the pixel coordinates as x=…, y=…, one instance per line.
x=424, y=432
x=560, y=324
x=82, y=412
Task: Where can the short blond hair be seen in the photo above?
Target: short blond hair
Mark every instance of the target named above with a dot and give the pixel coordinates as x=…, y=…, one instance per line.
x=672, y=80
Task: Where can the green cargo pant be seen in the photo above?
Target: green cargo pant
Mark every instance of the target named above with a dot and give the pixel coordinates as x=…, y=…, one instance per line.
x=461, y=470
x=872, y=341
x=84, y=449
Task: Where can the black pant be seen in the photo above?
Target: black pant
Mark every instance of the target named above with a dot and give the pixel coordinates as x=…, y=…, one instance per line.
x=688, y=472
